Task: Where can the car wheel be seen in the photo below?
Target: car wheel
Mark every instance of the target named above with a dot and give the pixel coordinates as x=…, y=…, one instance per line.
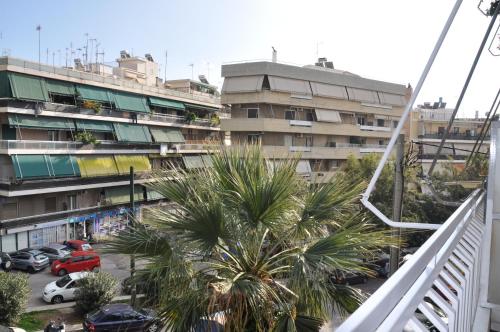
x=7, y=266
x=31, y=269
x=95, y=269
x=61, y=272
x=153, y=327
x=57, y=299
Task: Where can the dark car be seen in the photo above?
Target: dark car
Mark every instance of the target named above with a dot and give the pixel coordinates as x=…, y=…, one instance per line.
x=30, y=260
x=5, y=261
x=121, y=317
x=349, y=278
x=55, y=251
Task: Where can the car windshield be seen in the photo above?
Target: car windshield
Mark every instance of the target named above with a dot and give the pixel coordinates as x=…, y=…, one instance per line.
x=86, y=247
x=40, y=257
x=63, y=281
x=96, y=315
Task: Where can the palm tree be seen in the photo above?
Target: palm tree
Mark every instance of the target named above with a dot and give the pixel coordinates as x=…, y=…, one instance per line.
x=251, y=243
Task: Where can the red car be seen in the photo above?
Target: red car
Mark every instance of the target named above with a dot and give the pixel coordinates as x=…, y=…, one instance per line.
x=78, y=245
x=78, y=261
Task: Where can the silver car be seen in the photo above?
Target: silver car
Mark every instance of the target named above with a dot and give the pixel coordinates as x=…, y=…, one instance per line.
x=55, y=251
x=30, y=260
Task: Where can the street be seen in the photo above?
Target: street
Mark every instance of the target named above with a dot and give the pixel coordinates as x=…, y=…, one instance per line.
x=116, y=264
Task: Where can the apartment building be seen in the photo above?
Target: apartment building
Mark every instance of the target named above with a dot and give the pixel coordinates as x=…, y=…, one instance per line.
x=318, y=112
x=428, y=125
x=70, y=135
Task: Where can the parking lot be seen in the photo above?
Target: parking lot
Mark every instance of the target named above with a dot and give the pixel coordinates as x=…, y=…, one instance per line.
x=117, y=265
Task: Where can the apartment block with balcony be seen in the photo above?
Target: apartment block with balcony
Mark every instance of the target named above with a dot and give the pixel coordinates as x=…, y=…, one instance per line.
x=320, y=113
x=428, y=125
x=70, y=135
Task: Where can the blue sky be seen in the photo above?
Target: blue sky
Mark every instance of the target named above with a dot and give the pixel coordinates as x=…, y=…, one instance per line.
x=386, y=39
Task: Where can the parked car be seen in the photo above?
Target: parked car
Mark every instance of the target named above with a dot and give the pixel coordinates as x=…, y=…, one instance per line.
x=5, y=261
x=349, y=278
x=55, y=251
x=64, y=288
x=121, y=317
x=76, y=262
x=11, y=329
x=77, y=245
x=30, y=260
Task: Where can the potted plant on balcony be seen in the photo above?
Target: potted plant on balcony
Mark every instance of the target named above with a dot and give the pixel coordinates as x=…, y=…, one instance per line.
x=189, y=117
x=92, y=105
x=214, y=119
x=86, y=137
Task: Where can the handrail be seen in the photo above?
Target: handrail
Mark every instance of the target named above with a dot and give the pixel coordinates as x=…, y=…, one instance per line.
x=395, y=302
x=401, y=123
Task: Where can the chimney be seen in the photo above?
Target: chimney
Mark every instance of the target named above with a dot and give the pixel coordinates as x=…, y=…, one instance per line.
x=440, y=102
x=275, y=55
x=477, y=115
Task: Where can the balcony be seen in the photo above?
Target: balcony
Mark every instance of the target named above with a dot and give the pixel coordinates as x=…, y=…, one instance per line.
x=341, y=151
x=69, y=147
x=375, y=128
x=452, y=136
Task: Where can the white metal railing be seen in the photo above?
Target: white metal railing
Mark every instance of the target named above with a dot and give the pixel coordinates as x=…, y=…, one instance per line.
x=375, y=128
x=438, y=286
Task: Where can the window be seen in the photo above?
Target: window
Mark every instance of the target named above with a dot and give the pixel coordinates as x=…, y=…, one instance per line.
x=331, y=144
x=116, y=317
x=290, y=115
x=395, y=123
x=52, y=135
x=253, y=139
x=380, y=123
x=361, y=120
x=77, y=259
x=440, y=130
x=309, y=140
x=381, y=142
x=456, y=130
x=467, y=132
x=252, y=113
x=72, y=202
x=8, y=133
x=50, y=204
x=309, y=115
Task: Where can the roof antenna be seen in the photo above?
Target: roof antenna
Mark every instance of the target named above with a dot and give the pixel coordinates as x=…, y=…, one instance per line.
x=275, y=54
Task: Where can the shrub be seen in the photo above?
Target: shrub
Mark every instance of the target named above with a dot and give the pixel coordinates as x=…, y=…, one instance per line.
x=14, y=293
x=93, y=105
x=190, y=117
x=95, y=291
x=86, y=137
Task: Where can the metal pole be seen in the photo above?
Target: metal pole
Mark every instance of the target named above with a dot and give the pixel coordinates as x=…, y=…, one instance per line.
x=130, y=222
x=166, y=62
x=464, y=88
x=397, y=204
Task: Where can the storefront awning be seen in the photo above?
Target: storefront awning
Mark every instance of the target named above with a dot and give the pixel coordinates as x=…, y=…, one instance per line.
x=28, y=87
x=192, y=162
x=31, y=166
x=31, y=121
x=132, y=133
x=91, y=125
x=64, y=165
x=167, y=135
x=201, y=107
x=327, y=115
x=97, y=166
x=242, y=84
x=61, y=88
x=160, y=102
x=140, y=164
x=131, y=102
x=87, y=92
x=121, y=195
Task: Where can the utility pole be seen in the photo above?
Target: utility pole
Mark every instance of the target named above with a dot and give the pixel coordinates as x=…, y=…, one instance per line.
x=397, y=206
x=130, y=224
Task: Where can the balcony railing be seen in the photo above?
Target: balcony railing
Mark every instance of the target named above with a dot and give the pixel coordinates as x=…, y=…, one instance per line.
x=375, y=128
x=458, y=136
x=74, y=146
x=438, y=285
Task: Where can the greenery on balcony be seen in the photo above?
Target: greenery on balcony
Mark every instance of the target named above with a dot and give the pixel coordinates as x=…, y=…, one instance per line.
x=86, y=137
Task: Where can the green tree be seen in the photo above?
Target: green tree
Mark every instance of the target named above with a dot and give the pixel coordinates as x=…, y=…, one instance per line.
x=253, y=242
x=14, y=293
x=95, y=291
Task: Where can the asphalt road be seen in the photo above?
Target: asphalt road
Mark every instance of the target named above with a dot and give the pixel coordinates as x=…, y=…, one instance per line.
x=117, y=265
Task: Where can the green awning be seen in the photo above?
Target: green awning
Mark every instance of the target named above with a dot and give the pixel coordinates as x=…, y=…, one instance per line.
x=192, y=162
x=31, y=121
x=28, y=87
x=202, y=107
x=121, y=195
x=160, y=102
x=131, y=102
x=31, y=166
x=92, y=125
x=167, y=135
x=87, y=92
x=64, y=165
x=207, y=160
x=61, y=88
x=153, y=195
x=132, y=133
x=4, y=85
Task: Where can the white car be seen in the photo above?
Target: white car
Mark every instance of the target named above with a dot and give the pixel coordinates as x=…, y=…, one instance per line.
x=64, y=288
